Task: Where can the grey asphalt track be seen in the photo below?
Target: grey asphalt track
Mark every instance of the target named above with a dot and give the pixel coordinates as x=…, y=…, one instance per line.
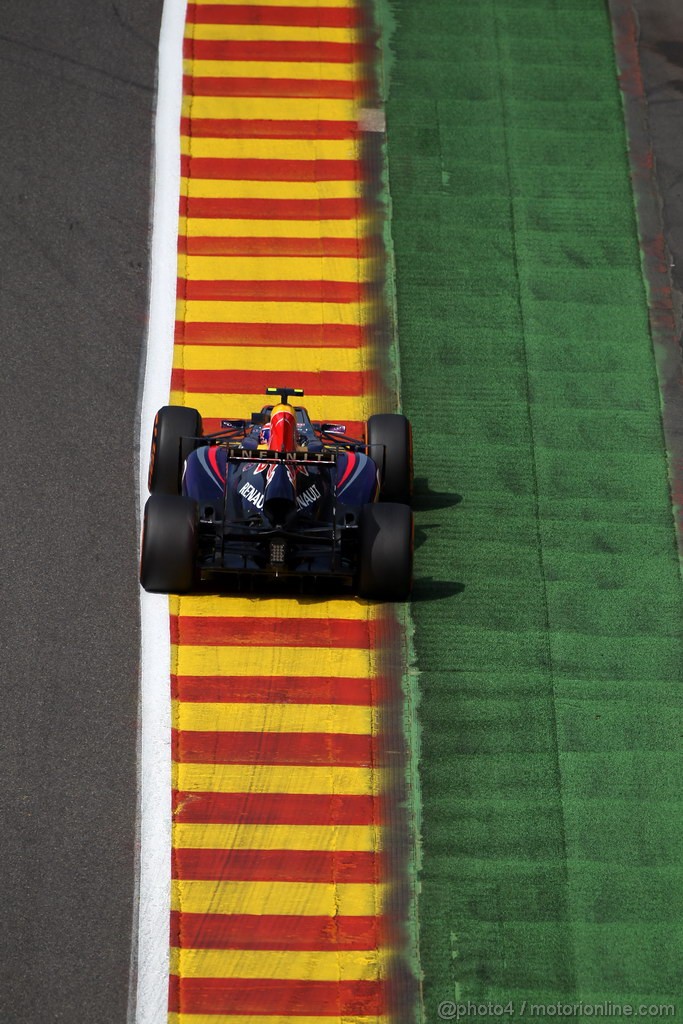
x=660, y=47
x=649, y=47
x=77, y=81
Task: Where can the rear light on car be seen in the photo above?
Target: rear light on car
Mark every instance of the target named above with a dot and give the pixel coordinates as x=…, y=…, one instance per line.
x=278, y=550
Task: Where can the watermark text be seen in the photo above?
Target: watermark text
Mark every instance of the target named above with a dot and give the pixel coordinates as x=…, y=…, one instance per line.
x=448, y=1010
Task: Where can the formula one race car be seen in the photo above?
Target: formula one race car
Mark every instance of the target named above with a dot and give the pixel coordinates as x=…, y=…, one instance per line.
x=277, y=497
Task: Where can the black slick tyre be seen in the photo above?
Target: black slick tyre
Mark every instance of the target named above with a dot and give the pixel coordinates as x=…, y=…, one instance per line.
x=390, y=446
x=172, y=441
x=169, y=544
x=385, y=555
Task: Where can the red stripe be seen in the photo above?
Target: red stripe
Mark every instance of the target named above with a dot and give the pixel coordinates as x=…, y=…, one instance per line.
x=357, y=866
x=246, y=14
x=277, y=690
x=273, y=748
x=275, y=808
x=248, y=631
x=299, y=335
x=276, y=50
x=272, y=209
x=251, y=169
x=350, y=463
x=213, y=459
x=355, y=428
x=254, y=382
x=270, y=291
x=303, y=88
x=259, y=128
x=353, y=248
x=270, y=996
x=266, y=931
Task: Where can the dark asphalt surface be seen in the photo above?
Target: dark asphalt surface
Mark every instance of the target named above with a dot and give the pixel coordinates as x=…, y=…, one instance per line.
x=77, y=82
x=649, y=43
x=661, y=57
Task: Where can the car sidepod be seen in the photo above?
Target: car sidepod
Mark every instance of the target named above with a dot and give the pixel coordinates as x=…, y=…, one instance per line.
x=357, y=479
x=204, y=475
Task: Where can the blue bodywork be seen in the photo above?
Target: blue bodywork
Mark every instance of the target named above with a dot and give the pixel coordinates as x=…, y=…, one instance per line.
x=211, y=476
x=279, y=514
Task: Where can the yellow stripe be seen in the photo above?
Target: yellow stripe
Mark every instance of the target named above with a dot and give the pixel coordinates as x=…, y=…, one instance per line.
x=316, y=718
x=197, y=311
x=284, y=359
x=320, y=965
x=273, y=69
x=213, y=188
x=270, y=108
x=289, y=898
x=200, y=227
x=275, y=268
x=269, y=149
x=219, y=406
x=278, y=33
x=194, y=660
x=342, y=838
x=271, y=607
x=273, y=778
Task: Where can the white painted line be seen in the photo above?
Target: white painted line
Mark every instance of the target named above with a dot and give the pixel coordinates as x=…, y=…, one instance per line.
x=151, y=964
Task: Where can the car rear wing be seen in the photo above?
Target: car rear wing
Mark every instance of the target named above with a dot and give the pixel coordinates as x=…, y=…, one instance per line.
x=323, y=458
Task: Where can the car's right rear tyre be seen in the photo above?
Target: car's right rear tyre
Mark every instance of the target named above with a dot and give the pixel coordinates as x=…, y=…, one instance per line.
x=390, y=446
x=385, y=569
x=169, y=544
x=175, y=428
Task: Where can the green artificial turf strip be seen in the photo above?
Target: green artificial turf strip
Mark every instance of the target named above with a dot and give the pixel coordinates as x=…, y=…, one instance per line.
x=548, y=598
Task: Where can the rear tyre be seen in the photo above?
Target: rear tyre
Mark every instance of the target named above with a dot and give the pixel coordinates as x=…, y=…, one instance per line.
x=175, y=427
x=390, y=442
x=169, y=544
x=385, y=554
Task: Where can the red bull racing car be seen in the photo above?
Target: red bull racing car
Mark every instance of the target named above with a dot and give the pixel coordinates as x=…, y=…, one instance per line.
x=279, y=498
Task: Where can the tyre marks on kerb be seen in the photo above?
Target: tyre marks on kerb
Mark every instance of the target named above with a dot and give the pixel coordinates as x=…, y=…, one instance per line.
x=279, y=879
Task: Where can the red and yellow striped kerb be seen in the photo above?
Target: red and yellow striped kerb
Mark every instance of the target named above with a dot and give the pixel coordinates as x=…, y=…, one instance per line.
x=281, y=884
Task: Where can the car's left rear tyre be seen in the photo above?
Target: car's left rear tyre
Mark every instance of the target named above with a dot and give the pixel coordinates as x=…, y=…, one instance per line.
x=385, y=555
x=175, y=433
x=169, y=544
